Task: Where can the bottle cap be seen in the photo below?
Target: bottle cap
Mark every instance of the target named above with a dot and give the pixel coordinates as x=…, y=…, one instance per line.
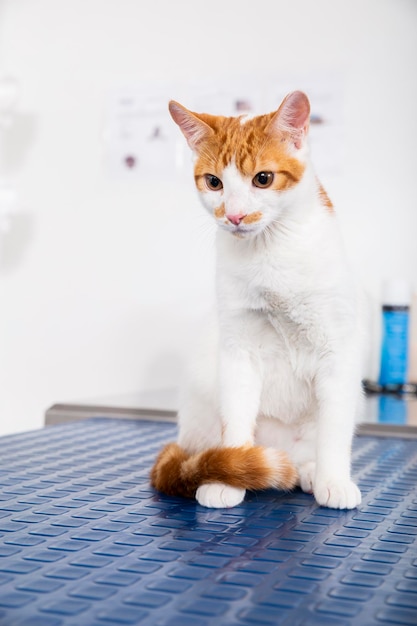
x=396, y=292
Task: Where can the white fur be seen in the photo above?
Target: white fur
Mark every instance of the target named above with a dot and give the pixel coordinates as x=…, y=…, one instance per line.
x=246, y=117
x=219, y=496
x=282, y=365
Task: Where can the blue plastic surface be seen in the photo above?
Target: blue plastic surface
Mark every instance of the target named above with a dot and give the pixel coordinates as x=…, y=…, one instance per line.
x=84, y=540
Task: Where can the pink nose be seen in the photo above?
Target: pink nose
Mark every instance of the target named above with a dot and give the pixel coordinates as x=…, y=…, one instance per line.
x=236, y=219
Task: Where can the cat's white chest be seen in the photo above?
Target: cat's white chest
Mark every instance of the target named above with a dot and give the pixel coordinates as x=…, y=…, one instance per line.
x=296, y=292
x=282, y=294
x=297, y=317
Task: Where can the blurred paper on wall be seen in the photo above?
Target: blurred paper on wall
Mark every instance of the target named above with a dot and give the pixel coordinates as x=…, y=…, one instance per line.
x=141, y=141
x=139, y=136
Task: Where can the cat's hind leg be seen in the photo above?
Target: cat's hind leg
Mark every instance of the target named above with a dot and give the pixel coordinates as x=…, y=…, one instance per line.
x=306, y=473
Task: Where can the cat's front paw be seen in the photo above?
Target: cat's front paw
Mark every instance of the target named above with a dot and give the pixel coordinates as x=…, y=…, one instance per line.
x=337, y=494
x=219, y=495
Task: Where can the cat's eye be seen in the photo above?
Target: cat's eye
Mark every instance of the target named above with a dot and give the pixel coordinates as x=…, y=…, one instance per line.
x=213, y=183
x=263, y=179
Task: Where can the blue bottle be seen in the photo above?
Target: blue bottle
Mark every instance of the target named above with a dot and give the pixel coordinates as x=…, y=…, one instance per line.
x=395, y=331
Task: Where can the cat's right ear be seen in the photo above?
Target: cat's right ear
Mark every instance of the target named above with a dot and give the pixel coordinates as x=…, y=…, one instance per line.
x=193, y=128
x=292, y=118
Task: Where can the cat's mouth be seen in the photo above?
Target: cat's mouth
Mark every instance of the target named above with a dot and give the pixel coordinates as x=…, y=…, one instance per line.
x=243, y=231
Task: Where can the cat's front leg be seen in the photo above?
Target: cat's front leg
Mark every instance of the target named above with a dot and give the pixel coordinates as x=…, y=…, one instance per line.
x=239, y=388
x=239, y=395
x=338, y=392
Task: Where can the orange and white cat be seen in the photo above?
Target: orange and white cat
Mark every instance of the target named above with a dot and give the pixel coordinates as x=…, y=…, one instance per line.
x=273, y=394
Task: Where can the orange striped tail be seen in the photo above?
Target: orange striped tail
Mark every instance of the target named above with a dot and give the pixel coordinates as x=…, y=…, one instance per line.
x=177, y=473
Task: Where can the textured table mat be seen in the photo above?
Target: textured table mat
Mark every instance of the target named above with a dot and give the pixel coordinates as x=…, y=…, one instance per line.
x=85, y=541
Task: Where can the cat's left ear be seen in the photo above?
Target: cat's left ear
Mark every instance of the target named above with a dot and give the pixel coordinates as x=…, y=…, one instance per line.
x=292, y=118
x=194, y=129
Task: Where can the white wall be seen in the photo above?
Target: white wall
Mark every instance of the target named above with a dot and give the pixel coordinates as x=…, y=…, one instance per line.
x=100, y=281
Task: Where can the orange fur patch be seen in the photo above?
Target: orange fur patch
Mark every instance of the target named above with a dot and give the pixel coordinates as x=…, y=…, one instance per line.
x=325, y=199
x=200, y=181
x=177, y=473
x=220, y=211
x=252, y=218
x=165, y=474
x=250, y=146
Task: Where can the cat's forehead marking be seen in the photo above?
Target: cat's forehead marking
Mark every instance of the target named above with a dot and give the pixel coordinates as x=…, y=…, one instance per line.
x=233, y=143
x=246, y=150
x=243, y=142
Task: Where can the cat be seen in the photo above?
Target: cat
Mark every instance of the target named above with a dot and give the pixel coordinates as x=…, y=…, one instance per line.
x=272, y=397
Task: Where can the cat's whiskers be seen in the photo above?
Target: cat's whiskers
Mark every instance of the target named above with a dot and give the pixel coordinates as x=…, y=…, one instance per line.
x=204, y=230
x=280, y=226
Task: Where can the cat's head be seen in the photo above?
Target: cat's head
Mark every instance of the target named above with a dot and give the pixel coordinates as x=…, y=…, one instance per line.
x=246, y=167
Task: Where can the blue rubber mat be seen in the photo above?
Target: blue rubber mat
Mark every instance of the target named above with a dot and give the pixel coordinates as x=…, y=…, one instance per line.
x=85, y=541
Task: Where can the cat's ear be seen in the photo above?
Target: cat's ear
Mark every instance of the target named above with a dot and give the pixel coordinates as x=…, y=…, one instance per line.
x=194, y=129
x=292, y=118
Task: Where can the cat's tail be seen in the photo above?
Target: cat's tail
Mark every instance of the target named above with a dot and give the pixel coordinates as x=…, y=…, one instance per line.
x=177, y=473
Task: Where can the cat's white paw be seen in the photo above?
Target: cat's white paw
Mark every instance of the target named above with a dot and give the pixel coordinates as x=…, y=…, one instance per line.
x=306, y=473
x=219, y=495
x=337, y=494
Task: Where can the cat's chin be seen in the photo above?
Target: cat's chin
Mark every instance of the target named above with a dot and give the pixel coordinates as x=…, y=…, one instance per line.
x=245, y=233
x=250, y=235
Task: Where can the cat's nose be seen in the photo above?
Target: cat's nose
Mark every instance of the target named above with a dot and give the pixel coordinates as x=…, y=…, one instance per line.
x=236, y=219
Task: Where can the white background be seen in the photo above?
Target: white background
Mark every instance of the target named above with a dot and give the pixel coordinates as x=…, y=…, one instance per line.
x=102, y=280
